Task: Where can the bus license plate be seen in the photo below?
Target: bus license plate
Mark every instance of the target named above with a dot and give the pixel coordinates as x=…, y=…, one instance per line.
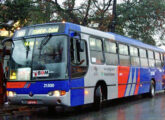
x=32, y=102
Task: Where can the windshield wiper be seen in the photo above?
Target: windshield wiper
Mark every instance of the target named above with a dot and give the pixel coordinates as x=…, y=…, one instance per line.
x=27, y=50
x=45, y=41
x=26, y=46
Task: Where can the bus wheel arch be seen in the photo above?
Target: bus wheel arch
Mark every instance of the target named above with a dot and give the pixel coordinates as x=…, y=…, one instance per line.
x=103, y=86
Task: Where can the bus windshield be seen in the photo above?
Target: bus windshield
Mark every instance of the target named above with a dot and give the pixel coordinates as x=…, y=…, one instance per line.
x=42, y=58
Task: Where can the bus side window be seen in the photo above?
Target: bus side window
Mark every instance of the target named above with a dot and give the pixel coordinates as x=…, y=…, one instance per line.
x=79, y=62
x=124, y=55
x=134, y=56
x=157, y=60
x=151, y=58
x=143, y=57
x=96, y=51
x=162, y=60
x=110, y=51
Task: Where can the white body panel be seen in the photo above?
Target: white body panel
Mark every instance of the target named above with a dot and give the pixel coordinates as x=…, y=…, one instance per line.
x=95, y=73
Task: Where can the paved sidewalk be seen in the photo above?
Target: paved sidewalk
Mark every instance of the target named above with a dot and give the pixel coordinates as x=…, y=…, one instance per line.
x=16, y=110
x=6, y=110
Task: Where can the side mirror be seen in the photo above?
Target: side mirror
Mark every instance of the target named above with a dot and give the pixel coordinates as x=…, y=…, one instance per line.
x=76, y=35
x=4, y=46
x=80, y=44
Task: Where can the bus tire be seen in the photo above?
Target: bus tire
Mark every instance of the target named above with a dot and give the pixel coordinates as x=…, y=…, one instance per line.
x=98, y=98
x=152, y=89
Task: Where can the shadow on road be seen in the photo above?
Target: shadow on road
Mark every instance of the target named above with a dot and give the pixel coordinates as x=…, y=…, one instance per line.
x=88, y=109
x=115, y=109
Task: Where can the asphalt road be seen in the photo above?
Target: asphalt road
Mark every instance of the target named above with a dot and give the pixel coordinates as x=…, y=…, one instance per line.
x=132, y=108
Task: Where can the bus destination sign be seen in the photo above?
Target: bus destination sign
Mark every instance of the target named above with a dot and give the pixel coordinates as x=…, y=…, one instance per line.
x=46, y=29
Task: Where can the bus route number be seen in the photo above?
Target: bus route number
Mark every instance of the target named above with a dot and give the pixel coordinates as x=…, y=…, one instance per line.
x=49, y=85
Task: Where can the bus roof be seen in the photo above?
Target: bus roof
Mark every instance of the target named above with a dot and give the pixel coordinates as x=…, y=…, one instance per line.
x=113, y=36
x=135, y=42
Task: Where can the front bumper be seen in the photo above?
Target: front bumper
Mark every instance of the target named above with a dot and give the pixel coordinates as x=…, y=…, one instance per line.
x=40, y=99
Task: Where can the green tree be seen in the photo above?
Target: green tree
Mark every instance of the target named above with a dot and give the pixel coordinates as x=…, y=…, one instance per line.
x=141, y=19
x=17, y=10
x=89, y=12
x=138, y=19
x=41, y=12
x=27, y=12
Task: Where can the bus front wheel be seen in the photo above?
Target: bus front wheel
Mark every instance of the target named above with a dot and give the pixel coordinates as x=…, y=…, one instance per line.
x=98, y=98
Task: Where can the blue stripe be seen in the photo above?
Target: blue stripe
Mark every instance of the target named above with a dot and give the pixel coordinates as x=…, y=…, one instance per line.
x=40, y=87
x=137, y=73
x=144, y=77
x=77, y=95
x=127, y=81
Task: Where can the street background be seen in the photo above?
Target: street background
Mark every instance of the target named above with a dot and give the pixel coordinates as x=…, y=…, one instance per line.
x=131, y=108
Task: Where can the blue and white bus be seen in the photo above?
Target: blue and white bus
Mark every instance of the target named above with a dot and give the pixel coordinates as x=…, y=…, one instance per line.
x=65, y=64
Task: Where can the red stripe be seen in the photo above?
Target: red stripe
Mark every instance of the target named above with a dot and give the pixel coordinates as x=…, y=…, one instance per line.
x=123, y=73
x=16, y=84
x=28, y=85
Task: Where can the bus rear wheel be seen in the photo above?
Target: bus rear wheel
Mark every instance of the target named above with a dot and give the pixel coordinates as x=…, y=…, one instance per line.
x=152, y=89
x=98, y=98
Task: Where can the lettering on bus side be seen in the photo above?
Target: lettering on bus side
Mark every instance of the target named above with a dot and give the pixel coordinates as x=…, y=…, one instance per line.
x=109, y=71
x=95, y=71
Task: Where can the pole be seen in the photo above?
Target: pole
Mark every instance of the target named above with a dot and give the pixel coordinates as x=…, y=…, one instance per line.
x=113, y=23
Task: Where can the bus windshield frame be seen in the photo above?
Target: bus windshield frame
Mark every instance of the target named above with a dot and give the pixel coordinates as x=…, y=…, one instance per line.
x=32, y=61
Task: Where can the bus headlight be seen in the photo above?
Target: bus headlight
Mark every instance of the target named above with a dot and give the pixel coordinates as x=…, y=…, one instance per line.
x=13, y=76
x=57, y=93
x=10, y=94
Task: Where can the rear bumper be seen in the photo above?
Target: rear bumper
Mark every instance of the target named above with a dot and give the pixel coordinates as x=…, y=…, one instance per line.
x=43, y=99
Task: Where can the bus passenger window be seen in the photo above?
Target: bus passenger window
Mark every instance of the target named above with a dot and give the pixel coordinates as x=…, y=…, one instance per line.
x=151, y=58
x=96, y=51
x=162, y=60
x=123, y=55
x=157, y=60
x=79, y=62
x=143, y=57
x=134, y=56
x=110, y=51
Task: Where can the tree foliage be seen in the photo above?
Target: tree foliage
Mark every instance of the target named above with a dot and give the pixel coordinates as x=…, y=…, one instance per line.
x=16, y=10
x=139, y=19
x=142, y=19
x=26, y=12
x=87, y=13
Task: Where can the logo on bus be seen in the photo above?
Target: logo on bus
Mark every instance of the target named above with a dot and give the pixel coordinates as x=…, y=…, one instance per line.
x=41, y=73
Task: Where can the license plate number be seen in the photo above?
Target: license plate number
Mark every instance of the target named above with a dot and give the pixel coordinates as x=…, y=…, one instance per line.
x=32, y=102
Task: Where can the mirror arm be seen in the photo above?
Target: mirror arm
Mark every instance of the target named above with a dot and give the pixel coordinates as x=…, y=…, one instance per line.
x=4, y=46
x=6, y=40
